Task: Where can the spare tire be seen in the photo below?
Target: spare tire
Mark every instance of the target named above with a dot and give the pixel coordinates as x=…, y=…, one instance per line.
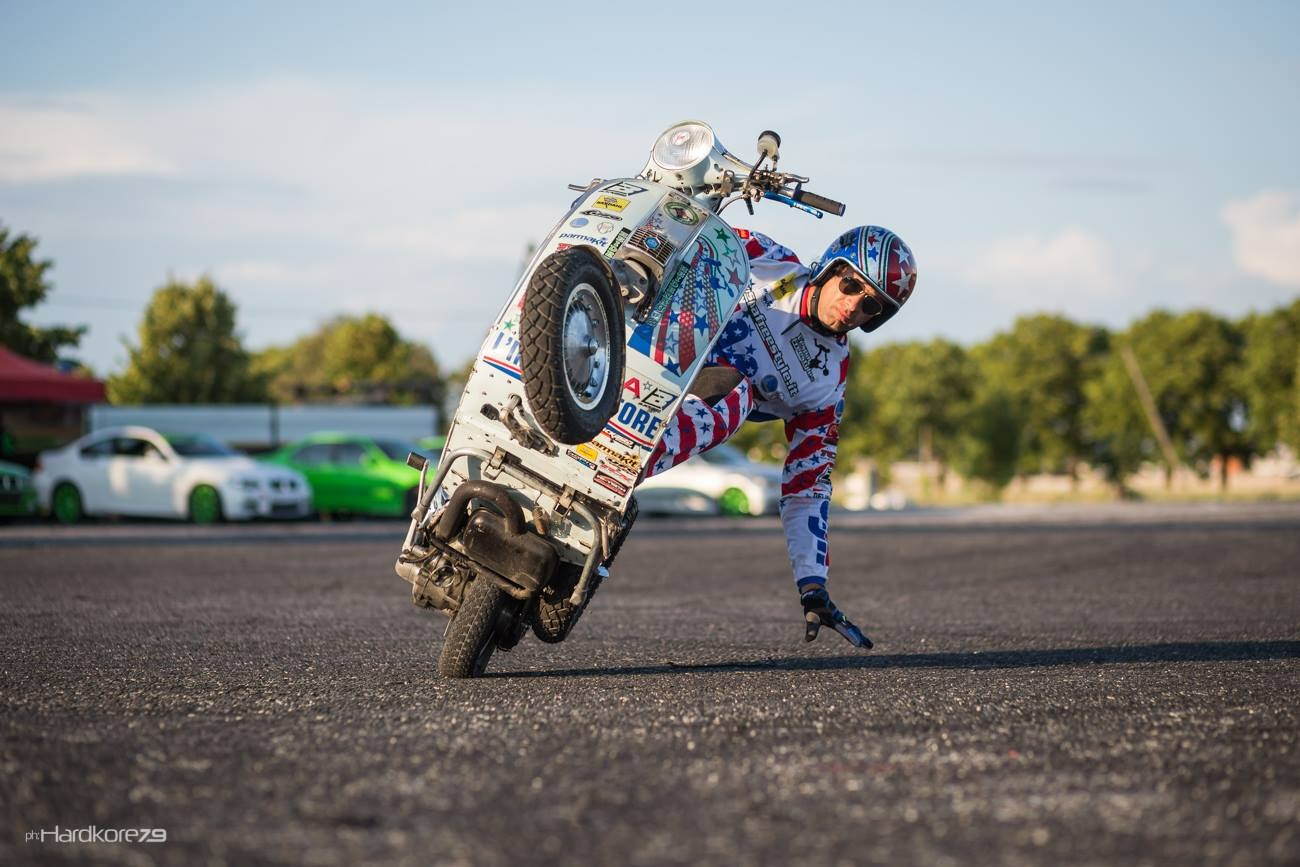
x=571, y=336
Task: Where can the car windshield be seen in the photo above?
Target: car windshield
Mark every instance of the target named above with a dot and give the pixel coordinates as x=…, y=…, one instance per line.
x=397, y=450
x=200, y=446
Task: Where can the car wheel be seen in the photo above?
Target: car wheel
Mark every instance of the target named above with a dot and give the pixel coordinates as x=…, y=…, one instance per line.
x=205, y=505
x=408, y=502
x=65, y=504
x=734, y=501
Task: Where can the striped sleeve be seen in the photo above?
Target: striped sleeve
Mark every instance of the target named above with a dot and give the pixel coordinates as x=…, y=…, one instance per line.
x=806, y=488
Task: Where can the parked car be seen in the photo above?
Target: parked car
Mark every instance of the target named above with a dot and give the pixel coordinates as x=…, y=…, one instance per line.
x=354, y=475
x=17, y=495
x=138, y=471
x=719, y=481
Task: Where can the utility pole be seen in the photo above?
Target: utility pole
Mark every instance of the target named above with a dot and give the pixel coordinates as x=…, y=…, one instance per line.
x=1149, y=406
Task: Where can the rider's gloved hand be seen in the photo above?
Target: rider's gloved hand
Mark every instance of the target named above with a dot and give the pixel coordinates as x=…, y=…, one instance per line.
x=819, y=611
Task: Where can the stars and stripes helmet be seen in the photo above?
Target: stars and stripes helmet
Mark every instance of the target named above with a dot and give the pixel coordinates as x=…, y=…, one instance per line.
x=882, y=258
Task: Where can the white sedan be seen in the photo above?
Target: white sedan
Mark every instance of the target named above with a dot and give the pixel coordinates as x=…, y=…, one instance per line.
x=719, y=481
x=138, y=471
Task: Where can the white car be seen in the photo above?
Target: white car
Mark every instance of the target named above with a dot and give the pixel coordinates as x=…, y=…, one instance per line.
x=719, y=481
x=138, y=471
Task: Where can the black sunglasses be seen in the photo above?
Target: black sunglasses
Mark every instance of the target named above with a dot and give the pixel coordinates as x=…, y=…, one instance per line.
x=851, y=284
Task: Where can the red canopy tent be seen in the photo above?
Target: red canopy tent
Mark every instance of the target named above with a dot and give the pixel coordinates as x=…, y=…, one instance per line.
x=25, y=381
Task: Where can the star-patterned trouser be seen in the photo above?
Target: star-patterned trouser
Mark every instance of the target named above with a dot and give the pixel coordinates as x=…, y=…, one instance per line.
x=697, y=427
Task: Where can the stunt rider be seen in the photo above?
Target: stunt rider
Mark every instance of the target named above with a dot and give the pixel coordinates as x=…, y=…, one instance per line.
x=785, y=355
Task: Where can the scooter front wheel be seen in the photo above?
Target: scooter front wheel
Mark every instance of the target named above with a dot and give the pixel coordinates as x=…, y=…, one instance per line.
x=572, y=348
x=472, y=635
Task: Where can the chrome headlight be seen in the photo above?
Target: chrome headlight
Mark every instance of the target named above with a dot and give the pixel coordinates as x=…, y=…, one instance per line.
x=683, y=146
x=250, y=484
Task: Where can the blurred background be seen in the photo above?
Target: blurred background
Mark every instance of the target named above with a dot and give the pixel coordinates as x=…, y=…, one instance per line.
x=285, y=206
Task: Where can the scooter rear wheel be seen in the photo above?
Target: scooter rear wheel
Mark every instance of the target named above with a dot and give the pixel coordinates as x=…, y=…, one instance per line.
x=572, y=348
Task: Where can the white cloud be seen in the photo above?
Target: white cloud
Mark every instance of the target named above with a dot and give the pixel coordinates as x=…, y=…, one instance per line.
x=1047, y=269
x=1266, y=235
x=77, y=139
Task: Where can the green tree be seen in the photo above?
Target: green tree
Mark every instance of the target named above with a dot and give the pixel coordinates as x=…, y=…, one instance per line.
x=907, y=400
x=22, y=285
x=989, y=449
x=1270, y=358
x=360, y=358
x=1040, y=366
x=1118, y=438
x=189, y=351
x=1192, y=364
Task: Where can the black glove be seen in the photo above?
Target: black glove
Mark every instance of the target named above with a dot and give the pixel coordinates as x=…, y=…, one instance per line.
x=819, y=611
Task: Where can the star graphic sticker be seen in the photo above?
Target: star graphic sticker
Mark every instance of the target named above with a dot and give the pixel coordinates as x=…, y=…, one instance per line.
x=904, y=284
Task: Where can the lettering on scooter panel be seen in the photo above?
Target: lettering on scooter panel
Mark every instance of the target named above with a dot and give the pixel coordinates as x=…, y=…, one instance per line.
x=629, y=463
x=617, y=243
x=616, y=439
x=604, y=215
x=584, y=239
x=623, y=188
x=611, y=203
x=639, y=420
x=610, y=483
x=623, y=474
x=649, y=395
x=580, y=459
x=507, y=345
x=658, y=399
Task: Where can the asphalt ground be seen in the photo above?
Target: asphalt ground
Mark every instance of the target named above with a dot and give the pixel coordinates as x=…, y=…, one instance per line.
x=1111, y=685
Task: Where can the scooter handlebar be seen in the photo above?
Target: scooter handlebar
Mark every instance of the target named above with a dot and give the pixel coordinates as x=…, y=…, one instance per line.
x=821, y=203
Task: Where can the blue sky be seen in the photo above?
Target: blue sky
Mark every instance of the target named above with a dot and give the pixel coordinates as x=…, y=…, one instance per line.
x=1098, y=160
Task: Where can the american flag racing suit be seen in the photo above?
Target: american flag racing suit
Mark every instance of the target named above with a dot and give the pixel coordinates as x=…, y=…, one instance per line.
x=791, y=370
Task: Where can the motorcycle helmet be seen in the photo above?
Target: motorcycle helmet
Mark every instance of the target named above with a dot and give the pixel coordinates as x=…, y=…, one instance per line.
x=880, y=257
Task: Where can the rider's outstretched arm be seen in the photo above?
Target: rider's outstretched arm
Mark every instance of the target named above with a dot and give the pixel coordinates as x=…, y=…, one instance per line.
x=805, y=511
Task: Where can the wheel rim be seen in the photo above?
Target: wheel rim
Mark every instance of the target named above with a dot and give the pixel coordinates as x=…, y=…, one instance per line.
x=734, y=502
x=205, y=506
x=586, y=347
x=67, y=504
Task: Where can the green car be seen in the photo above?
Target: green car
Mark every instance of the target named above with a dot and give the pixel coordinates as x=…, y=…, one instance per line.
x=17, y=496
x=354, y=475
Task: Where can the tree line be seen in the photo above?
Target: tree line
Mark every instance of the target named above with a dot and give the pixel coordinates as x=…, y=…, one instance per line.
x=1052, y=396
x=188, y=349
x=1049, y=395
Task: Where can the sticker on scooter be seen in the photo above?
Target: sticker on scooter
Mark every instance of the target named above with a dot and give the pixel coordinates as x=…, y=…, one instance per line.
x=617, y=243
x=623, y=188
x=611, y=203
x=682, y=213
x=688, y=313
